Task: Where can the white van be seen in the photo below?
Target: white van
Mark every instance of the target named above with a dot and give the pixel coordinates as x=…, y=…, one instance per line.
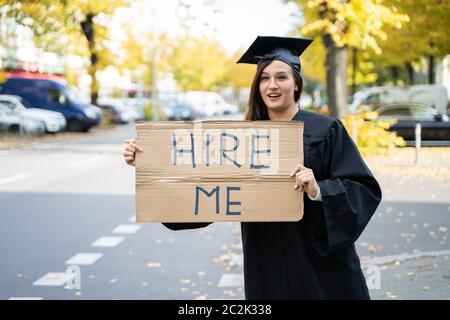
x=432, y=95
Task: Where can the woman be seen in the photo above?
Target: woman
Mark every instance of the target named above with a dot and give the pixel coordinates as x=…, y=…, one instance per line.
x=314, y=258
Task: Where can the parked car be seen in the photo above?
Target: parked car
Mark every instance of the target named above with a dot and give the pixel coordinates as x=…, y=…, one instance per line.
x=138, y=104
x=54, y=121
x=433, y=95
x=179, y=110
x=56, y=96
x=435, y=125
x=14, y=122
x=119, y=112
x=201, y=105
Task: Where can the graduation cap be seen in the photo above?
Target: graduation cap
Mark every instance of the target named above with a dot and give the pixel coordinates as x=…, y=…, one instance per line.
x=284, y=49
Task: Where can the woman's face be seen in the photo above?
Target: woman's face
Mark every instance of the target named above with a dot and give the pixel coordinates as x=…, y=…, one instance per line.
x=277, y=86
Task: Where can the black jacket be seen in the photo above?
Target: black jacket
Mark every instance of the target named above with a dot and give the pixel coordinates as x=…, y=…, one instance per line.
x=314, y=258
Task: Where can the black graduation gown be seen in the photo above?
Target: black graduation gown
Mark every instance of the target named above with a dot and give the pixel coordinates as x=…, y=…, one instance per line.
x=314, y=258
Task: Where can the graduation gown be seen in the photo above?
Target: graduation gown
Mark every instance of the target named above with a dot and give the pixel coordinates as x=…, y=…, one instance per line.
x=314, y=258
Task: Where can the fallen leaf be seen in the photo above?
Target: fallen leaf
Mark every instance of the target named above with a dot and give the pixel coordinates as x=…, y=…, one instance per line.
x=185, y=281
x=113, y=280
x=91, y=276
x=153, y=265
x=229, y=293
x=201, y=273
x=443, y=229
x=202, y=297
x=78, y=293
x=183, y=289
x=363, y=244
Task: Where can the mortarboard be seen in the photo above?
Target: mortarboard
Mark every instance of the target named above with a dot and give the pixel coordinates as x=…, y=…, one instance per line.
x=284, y=49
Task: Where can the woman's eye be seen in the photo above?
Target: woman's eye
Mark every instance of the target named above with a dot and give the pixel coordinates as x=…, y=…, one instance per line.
x=282, y=77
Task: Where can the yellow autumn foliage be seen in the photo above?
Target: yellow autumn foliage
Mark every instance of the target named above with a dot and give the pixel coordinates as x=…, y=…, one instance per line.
x=371, y=134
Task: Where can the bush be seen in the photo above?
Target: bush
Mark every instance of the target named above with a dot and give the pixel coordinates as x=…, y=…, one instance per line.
x=371, y=134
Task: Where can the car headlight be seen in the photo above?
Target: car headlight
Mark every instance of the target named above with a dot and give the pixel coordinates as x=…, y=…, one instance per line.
x=90, y=113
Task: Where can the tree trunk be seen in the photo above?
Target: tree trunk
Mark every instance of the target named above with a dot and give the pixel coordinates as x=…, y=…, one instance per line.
x=354, y=66
x=431, y=68
x=410, y=70
x=336, y=74
x=394, y=72
x=87, y=25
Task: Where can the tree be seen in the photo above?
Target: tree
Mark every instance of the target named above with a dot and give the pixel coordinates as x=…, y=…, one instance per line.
x=342, y=24
x=142, y=53
x=199, y=64
x=59, y=25
x=426, y=36
x=240, y=75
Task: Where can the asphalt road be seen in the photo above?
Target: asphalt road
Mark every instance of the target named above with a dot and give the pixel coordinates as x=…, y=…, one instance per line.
x=62, y=199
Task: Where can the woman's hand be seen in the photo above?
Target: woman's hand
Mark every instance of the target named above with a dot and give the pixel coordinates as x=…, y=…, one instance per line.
x=130, y=151
x=305, y=180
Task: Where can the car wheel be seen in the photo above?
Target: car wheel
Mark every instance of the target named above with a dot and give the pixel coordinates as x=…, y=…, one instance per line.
x=14, y=128
x=76, y=125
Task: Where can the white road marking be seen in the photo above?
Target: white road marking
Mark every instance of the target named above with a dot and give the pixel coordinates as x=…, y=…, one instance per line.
x=84, y=259
x=236, y=260
x=231, y=280
x=54, y=279
x=126, y=228
x=15, y=178
x=109, y=242
x=26, y=298
x=402, y=257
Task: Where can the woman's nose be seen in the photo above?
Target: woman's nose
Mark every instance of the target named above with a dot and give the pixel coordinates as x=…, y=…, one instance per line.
x=272, y=84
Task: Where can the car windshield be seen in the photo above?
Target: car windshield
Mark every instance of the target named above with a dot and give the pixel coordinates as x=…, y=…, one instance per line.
x=423, y=112
x=12, y=106
x=4, y=108
x=395, y=111
x=72, y=96
x=25, y=103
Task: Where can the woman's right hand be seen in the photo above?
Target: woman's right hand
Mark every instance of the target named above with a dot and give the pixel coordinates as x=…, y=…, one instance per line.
x=130, y=151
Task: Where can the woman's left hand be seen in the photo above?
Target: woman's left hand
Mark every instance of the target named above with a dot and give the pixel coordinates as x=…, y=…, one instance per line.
x=305, y=180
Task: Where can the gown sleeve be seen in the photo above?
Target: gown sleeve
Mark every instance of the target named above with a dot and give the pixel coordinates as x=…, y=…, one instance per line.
x=350, y=193
x=185, y=226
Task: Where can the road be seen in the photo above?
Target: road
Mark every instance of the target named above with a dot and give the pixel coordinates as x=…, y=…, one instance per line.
x=71, y=202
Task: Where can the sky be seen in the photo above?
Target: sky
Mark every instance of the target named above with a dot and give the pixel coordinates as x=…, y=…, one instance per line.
x=234, y=23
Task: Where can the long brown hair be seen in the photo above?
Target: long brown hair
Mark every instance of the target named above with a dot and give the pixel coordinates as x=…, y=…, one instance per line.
x=257, y=109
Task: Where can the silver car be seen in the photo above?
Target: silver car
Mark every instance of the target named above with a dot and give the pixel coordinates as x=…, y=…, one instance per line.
x=54, y=121
x=14, y=122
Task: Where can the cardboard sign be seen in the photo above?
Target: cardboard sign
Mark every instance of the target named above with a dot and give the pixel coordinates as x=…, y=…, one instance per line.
x=218, y=171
